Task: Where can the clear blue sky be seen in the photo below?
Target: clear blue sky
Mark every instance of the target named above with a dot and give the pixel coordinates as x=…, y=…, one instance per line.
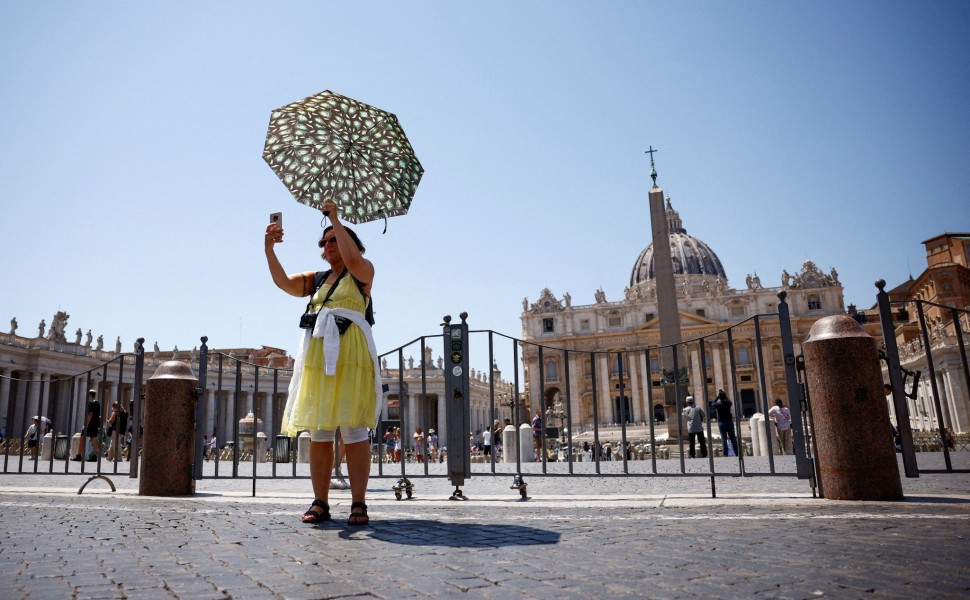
x=135, y=197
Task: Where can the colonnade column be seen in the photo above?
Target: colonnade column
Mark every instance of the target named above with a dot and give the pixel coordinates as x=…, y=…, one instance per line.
x=33, y=402
x=4, y=400
x=20, y=405
x=76, y=420
x=726, y=368
x=697, y=377
x=645, y=408
x=718, y=377
x=635, y=395
x=575, y=401
x=605, y=396
x=957, y=399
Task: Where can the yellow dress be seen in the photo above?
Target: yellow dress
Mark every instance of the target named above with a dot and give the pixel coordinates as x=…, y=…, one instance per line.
x=347, y=398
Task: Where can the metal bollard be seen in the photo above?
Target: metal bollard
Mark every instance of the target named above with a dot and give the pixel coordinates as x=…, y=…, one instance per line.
x=856, y=457
x=169, y=439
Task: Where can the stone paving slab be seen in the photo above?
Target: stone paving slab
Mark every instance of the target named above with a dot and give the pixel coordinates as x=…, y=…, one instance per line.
x=579, y=537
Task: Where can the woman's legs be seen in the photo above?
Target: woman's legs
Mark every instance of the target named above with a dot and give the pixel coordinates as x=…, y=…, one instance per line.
x=321, y=467
x=358, y=468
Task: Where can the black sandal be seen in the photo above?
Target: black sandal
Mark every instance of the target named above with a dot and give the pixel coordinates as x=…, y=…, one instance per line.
x=358, y=518
x=317, y=517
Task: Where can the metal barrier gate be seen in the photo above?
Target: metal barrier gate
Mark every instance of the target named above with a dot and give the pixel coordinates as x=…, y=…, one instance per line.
x=431, y=399
x=599, y=394
x=934, y=420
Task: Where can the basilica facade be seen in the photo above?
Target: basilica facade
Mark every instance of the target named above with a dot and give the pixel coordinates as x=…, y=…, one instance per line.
x=707, y=304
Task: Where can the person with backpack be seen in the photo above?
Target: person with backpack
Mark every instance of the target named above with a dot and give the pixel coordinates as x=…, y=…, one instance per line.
x=725, y=422
x=780, y=414
x=336, y=379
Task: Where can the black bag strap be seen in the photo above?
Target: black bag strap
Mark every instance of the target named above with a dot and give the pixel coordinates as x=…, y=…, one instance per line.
x=320, y=276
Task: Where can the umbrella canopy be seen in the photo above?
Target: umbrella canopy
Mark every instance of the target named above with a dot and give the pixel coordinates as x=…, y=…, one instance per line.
x=330, y=146
x=44, y=419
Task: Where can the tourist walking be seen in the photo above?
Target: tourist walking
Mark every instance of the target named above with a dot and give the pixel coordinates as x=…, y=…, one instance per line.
x=537, y=435
x=336, y=380
x=92, y=425
x=32, y=439
x=695, y=427
x=725, y=422
x=115, y=429
x=487, y=441
x=780, y=414
x=389, y=444
x=417, y=444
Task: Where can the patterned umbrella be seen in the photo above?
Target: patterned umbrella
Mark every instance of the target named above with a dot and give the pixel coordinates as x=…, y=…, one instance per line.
x=330, y=146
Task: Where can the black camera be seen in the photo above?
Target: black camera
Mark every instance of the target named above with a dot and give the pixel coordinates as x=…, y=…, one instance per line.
x=308, y=320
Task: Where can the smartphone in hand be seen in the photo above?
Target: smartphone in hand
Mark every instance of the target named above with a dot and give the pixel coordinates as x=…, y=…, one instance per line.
x=276, y=218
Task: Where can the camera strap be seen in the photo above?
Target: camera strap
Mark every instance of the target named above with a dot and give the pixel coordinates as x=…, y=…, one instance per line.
x=329, y=292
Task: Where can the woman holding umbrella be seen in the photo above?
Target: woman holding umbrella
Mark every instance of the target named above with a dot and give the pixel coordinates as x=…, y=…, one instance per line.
x=336, y=380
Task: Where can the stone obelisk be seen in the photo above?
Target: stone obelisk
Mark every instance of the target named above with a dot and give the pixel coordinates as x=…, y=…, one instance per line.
x=667, y=311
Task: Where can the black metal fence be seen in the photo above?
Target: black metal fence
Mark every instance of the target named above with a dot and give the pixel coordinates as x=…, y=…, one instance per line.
x=925, y=373
x=58, y=409
x=581, y=444
x=623, y=404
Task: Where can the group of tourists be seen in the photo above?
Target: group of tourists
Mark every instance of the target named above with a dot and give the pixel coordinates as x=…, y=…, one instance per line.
x=778, y=414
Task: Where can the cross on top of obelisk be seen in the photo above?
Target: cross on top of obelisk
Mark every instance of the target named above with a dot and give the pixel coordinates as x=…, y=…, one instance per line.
x=653, y=170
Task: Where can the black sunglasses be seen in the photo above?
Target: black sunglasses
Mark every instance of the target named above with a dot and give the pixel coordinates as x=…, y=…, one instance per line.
x=327, y=241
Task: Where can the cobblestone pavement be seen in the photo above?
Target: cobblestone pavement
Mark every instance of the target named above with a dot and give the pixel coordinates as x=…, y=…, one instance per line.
x=575, y=537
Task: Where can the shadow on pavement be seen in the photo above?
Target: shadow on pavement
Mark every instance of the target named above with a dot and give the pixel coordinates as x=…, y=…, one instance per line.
x=936, y=500
x=428, y=532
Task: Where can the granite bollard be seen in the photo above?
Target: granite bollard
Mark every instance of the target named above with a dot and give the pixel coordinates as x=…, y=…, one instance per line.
x=168, y=442
x=856, y=457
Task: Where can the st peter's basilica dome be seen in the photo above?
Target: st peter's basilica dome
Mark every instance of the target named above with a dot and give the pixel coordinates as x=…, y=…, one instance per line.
x=690, y=255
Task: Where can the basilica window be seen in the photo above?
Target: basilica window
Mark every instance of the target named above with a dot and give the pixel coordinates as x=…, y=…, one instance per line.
x=648, y=317
x=654, y=364
x=744, y=358
x=584, y=325
x=548, y=326
x=700, y=312
x=615, y=321
x=737, y=311
x=552, y=371
x=814, y=302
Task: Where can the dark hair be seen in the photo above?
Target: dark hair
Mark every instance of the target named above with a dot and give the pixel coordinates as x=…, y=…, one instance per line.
x=353, y=236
